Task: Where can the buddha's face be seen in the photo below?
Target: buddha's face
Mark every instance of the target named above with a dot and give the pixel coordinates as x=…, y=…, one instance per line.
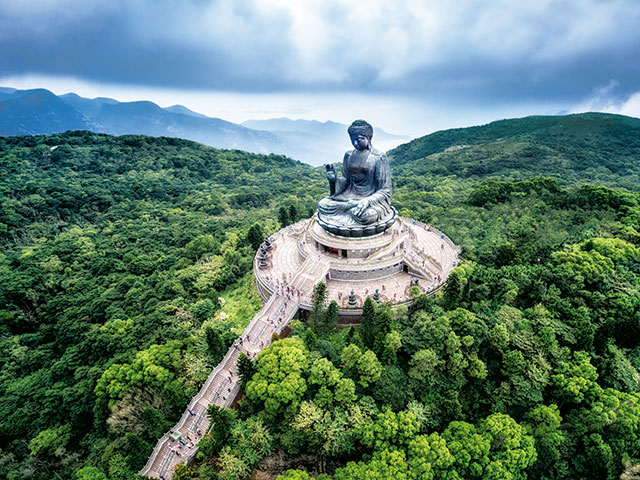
x=360, y=141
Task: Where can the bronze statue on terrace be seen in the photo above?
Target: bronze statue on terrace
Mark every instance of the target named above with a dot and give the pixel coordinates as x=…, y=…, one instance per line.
x=359, y=204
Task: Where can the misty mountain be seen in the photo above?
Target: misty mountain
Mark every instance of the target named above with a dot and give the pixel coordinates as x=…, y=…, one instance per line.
x=39, y=111
x=31, y=112
x=320, y=142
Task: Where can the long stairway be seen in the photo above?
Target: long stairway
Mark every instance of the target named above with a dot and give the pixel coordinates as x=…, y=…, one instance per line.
x=223, y=384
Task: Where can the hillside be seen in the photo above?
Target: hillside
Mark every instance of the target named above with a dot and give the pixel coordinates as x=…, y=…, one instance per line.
x=125, y=273
x=591, y=147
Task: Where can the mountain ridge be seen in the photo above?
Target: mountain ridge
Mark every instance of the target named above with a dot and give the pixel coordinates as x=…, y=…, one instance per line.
x=593, y=147
x=39, y=111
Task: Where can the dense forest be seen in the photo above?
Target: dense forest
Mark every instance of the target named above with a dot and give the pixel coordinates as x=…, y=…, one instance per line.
x=125, y=275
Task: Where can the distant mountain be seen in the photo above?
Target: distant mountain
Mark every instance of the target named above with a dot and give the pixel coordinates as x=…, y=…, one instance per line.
x=317, y=142
x=41, y=112
x=184, y=111
x=590, y=147
x=38, y=111
x=33, y=112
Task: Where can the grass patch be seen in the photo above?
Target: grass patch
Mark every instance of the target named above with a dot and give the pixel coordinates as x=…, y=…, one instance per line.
x=241, y=301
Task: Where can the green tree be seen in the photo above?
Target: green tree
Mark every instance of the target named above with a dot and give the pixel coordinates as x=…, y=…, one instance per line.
x=331, y=316
x=368, y=323
x=390, y=388
x=222, y=421
x=255, y=236
x=215, y=345
x=230, y=466
x=317, y=314
x=279, y=382
x=294, y=475
x=310, y=339
x=90, y=473
x=391, y=344
x=250, y=440
x=369, y=368
x=512, y=449
x=383, y=326
x=550, y=441
x=385, y=464
x=246, y=368
x=429, y=457
x=454, y=292
x=283, y=216
x=345, y=392
x=293, y=213
x=203, y=309
x=469, y=449
x=200, y=246
x=391, y=430
x=51, y=441
x=152, y=367
x=575, y=381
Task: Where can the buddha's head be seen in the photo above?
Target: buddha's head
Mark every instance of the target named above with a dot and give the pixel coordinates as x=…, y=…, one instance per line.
x=361, y=133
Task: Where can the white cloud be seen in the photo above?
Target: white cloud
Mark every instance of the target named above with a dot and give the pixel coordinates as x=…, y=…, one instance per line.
x=347, y=44
x=606, y=99
x=631, y=106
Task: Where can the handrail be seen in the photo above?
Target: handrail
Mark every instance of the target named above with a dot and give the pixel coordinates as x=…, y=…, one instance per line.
x=392, y=246
x=216, y=370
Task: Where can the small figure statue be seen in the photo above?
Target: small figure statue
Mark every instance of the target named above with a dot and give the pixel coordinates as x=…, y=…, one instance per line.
x=263, y=259
x=352, y=299
x=359, y=203
x=376, y=296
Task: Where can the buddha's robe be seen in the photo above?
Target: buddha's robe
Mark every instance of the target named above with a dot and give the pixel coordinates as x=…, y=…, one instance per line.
x=368, y=178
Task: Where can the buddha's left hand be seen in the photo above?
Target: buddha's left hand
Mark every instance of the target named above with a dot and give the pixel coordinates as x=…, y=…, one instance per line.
x=361, y=207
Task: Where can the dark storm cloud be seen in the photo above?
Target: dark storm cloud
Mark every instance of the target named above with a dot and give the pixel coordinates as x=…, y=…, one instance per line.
x=140, y=45
x=473, y=50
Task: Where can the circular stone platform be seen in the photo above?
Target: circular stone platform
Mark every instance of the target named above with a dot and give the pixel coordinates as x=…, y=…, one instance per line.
x=305, y=254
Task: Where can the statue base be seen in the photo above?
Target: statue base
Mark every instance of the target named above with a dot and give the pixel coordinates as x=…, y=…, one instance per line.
x=390, y=262
x=358, y=231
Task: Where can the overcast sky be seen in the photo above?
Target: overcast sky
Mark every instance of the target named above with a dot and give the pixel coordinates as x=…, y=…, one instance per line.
x=407, y=66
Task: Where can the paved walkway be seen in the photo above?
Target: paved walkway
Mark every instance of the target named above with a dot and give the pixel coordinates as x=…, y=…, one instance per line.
x=430, y=255
x=223, y=384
